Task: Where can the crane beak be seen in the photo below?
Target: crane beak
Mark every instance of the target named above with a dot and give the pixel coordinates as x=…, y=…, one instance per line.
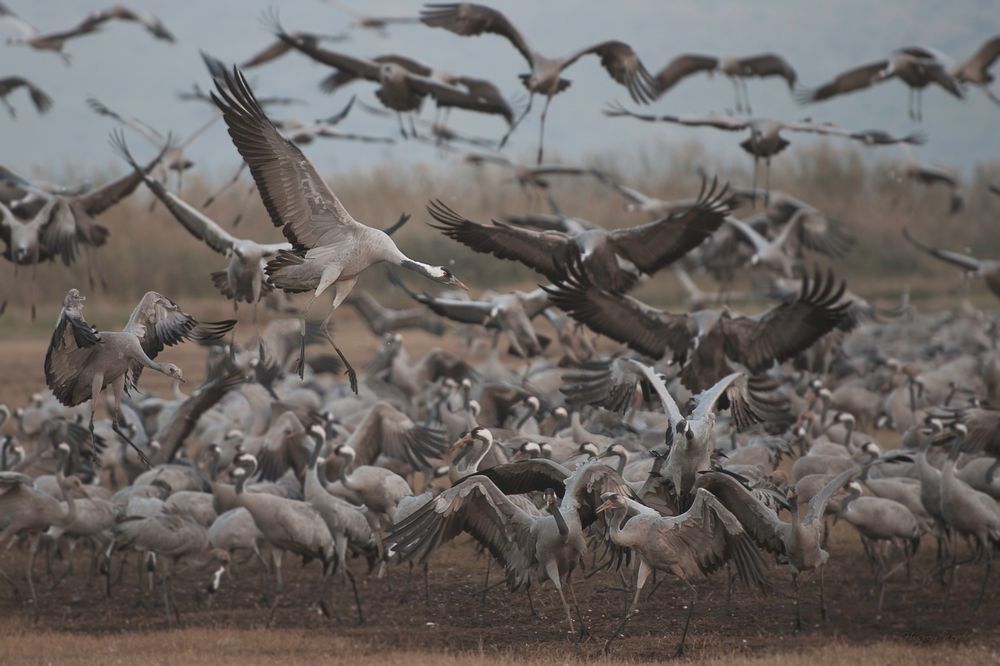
x=455, y=282
x=606, y=506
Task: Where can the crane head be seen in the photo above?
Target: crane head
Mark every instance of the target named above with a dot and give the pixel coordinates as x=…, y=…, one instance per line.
x=173, y=371
x=611, y=502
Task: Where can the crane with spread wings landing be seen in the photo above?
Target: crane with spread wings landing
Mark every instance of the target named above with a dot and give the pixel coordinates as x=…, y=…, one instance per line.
x=81, y=360
x=330, y=249
x=613, y=260
x=705, y=341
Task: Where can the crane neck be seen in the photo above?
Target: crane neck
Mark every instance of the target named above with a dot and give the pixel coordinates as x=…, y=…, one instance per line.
x=344, y=478
x=213, y=469
x=851, y=496
x=70, y=516
x=428, y=271
x=241, y=483
x=482, y=457
x=560, y=521
x=317, y=448
x=849, y=434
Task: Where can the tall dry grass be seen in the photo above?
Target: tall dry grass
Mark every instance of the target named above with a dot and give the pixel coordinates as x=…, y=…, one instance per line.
x=148, y=250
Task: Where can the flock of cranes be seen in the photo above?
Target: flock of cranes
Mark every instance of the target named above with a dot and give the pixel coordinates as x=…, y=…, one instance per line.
x=660, y=452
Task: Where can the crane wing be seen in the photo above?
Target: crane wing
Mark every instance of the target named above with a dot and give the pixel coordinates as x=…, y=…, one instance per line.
x=660, y=243
x=468, y=19
x=294, y=194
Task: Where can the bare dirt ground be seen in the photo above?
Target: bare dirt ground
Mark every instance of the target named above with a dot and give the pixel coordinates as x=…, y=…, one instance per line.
x=917, y=614
x=920, y=622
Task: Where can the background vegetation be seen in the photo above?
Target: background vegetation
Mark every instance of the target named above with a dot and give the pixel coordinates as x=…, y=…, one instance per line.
x=148, y=250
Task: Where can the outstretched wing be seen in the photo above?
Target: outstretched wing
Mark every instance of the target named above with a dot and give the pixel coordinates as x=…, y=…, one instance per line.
x=99, y=200
x=197, y=223
x=759, y=520
x=293, y=193
x=475, y=506
x=682, y=67
x=787, y=329
x=609, y=384
x=387, y=431
x=468, y=19
x=981, y=60
x=72, y=343
x=544, y=252
x=657, y=244
x=768, y=64
x=716, y=120
x=158, y=322
x=623, y=64
x=849, y=81
x=954, y=258
x=738, y=393
x=525, y=476
x=620, y=317
x=152, y=24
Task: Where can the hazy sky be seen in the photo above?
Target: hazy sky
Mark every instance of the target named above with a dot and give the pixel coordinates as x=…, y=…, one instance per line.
x=136, y=75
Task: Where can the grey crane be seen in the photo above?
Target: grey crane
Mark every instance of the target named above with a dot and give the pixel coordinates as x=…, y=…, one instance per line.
x=490, y=99
x=347, y=522
x=694, y=440
x=800, y=540
x=39, y=98
x=916, y=66
x=288, y=525
x=235, y=532
x=738, y=70
x=704, y=340
x=54, y=41
x=81, y=361
x=23, y=509
x=881, y=520
x=691, y=544
x=532, y=548
x=404, y=82
x=930, y=174
x=70, y=226
x=378, y=488
x=330, y=247
x=613, y=259
x=172, y=537
x=970, y=512
x=48, y=41
x=765, y=140
x=988, y=269
x=618, y=58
